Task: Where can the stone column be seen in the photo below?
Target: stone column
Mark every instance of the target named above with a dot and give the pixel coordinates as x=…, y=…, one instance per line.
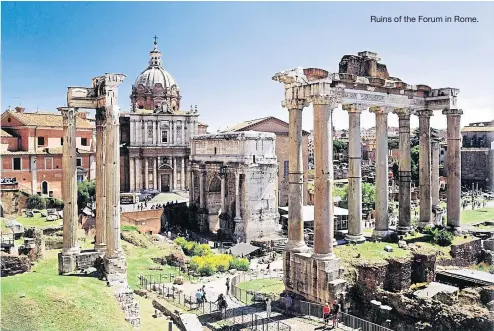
x=146, y=173
x=112, y=168
x=183, y=132
x=174, y=160
x=191, y=188
x=404, y=171
x=239, y=232
x=355, y=229
x=382, y=193
x=132, y=132
x=154, y=133
x=435, y=174
x=145, y=133
x=100, y=240
x=425, y=217
x=182, y=173
x=323, y=182
x=155, y=173
x=201, y=188
x=159, y=176
x=296, y=241
x=138, y=174
x=453, y=163
x=132, y=174
x=222, y=206
x=69, y=182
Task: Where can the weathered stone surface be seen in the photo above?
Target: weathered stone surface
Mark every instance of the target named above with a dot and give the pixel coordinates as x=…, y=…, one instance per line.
x=398, y=275
x=487, y=294
x=423, y=268
x=135, y=239
x=53, y=242
x=464, y=255
x=14, y=264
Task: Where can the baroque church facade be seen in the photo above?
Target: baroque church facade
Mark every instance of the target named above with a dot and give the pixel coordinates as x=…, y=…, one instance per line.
x=156, y=134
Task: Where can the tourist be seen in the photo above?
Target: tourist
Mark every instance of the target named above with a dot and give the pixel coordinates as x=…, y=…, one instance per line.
x=268, y=307
x=288, y=303
x=227, y=285
x=222, y=304
x=203, y=289
x=335, y=311
x=326, y=312
x=199, y=298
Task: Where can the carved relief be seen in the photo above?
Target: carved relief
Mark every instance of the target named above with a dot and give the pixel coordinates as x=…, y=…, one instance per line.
x=69, y=116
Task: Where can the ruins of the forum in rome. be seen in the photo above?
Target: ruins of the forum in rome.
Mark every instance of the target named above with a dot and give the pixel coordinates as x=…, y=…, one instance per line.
x=361, y=83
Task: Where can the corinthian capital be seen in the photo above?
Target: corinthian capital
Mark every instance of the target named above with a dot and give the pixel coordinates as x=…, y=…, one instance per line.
x=380, y=109
x=69, y=115
x=294, y=104
x=452, y=112
x=403, y=112
x=354, y=107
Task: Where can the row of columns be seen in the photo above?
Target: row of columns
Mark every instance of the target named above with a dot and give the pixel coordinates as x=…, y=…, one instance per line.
x=323, y=201
x=140, y=131
x=136, y=165
x=107, y=239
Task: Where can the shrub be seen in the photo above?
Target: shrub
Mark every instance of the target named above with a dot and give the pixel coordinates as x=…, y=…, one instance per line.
x=189, y=248
x=180, y=241
x=241, y=264
x=35, y=202
x=429, y=229
x=58, y=204
x=206, y=270
x=202, y=250
x=222, y=262
x=443, y=237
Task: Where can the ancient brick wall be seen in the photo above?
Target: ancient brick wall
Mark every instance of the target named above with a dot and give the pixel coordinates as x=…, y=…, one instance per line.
x=145, y=221
x=475, y=164
x=9, y=202
x=12, y=265
x=398, y=275
x=423, y=268
x=372, y=276
x=464, y=255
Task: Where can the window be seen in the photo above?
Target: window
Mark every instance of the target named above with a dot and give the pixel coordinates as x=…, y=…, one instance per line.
x=61, y=141
x=80, y=178
x=49, y=163
x=16, y=163
x=285, y=169
x=44, y=187
x=78, y=162
x=215, y=185
x=41, y=141
x=150, y=130
x=164, y=136
x=84, y=141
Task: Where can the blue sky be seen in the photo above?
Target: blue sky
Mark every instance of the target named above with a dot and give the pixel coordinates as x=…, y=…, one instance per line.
x=223, y=54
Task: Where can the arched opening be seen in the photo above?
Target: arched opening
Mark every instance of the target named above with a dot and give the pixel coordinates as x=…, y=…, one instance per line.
x=44, y=187
x=215, y=185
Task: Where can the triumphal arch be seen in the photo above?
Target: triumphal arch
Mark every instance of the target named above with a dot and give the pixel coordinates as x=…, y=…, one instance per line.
x=362, y=83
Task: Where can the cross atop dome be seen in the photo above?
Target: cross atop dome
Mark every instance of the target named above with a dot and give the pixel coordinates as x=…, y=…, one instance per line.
x=155, y=54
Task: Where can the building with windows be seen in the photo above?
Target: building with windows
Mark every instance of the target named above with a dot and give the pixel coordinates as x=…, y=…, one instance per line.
x=155, y=135
x=280, y=129
x=31, y=150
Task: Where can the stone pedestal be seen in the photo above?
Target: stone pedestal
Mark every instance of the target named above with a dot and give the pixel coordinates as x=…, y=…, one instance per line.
x=425, y=217
x=404, y=171
x=316, y=280
x=453, y=163
x=355, y=228
x=66, y=263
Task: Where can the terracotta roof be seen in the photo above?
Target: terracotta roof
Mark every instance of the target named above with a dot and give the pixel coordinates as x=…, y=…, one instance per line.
x=45, y=151
x=4, y=133
x=478, y=129
x=247, y=125
x=49, y=119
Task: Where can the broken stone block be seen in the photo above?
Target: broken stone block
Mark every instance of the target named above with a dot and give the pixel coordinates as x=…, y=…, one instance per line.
x=402, y=244
x=388, y=248
x=179, y=280
x=375, y=303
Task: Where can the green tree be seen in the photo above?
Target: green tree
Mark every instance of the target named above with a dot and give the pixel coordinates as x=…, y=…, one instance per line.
x=415, y=162
x=34, y=201
x=339, y=146
x=368, y=193
x=393, y=143
x=86, y=191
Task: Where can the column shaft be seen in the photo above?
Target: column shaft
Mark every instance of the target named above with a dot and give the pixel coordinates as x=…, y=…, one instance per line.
x=404, y=173
x=100, y=240
x=183, y=132
x=174, y=164
x=237, y=196
x=159, y=176
x=382, y=193
x=435, y=174
x=69, y=180
x=155, y=173
x=191, y=188
x=323, y=183
x=425, y=217
x=222, y=203
x=355, y=229
x=146, y=173
x=201, y=188
x=454, y=166
x=182, y=173
x=112, y=168
x=295, y=183
x=132, y=162
x=138, y=174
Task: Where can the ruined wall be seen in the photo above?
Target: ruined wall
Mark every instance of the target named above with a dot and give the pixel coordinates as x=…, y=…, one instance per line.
x=476, y=165
x=465, y=254
x=423, y=268
x=13, y=264
x=398, y=275
x=371, y=276
x=9, y=202
x=145, y=221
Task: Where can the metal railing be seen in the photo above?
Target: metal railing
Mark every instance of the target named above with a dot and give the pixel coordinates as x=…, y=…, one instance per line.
x=249, y=297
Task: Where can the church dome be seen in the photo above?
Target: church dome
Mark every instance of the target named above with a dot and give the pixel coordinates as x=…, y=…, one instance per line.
x=155, y=88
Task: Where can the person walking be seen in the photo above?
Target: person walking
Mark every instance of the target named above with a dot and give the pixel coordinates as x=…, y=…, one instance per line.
x=288, y=304
x=222, y=305
x=268, y=307
x=336, y=310
x=204, y=299
x=199, y=298
x=326, y=313
x=227, y=285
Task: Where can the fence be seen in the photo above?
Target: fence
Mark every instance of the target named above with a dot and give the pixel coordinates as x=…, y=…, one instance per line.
x=232, y=318
x=307, y=309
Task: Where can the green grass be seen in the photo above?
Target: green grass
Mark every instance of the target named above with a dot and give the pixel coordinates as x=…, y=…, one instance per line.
x=38, y=221
x=148, y=322
x=54, y=302
x=477, y=215
x=370, y=251
x=270, y=286
x=128, y=228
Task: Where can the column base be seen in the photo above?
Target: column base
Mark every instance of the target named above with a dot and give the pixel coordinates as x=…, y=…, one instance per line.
x=67, y=263
x=380, y=234
x=297, y=246
x=355, y=238
x=324, y=257
x=100, y=248
x=116, y=269
x=422, y=225
x=71, y=251
x=403, y=229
